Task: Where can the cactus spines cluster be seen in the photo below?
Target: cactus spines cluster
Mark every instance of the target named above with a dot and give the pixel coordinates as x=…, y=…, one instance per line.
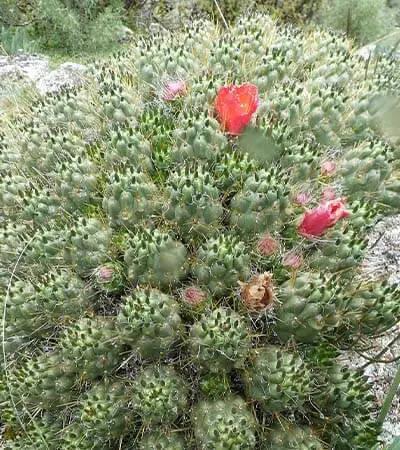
x=285, y=436
x=194, y=202
x=150, y=323
x=308, y=307
x=155, y=258
x=159, y=395
x=180, y=233
x=104, y=408
x=278, y=379
x=162, y=441
x=226, y=423
x=261, y=205
x=130, y=198
x=222, y=262
x=220, y=340
x=91, y=345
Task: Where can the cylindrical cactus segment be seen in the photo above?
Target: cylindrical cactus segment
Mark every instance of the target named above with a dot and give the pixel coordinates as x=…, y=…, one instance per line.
x=159, y=395
x=220, y=340
x=224, y=424
x=150, y=323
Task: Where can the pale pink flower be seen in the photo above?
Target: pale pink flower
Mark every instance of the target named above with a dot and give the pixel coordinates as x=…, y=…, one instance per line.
x=292, y=259
x=328, y=194
x=328, y=168
x=173, y=90
x=104, y=273
x=302, y=198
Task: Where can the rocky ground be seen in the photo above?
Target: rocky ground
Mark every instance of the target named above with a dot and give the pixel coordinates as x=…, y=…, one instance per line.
x=382, y=259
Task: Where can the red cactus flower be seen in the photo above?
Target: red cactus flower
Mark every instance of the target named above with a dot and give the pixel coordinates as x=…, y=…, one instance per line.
x=267, y=245
x=328, y=168
x=235, y=106
x=316, y=221
x=292, y=260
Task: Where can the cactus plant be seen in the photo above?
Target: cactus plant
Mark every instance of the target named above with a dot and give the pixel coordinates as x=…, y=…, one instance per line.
x=285, y=436
x=278, y=379
x=180, y=233
x=222, y=262
x=149, y=321
x=159, y=395
x=219, y=341
x=162, y=441
x=226, y=423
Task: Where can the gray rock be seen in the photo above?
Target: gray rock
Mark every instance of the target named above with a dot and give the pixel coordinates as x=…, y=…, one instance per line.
x=382, y=261
x=367, y=51
x=36, y=69
x=32, y=67
x=67, y=75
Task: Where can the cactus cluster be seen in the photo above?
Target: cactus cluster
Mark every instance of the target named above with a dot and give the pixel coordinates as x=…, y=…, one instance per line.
x=181, y=240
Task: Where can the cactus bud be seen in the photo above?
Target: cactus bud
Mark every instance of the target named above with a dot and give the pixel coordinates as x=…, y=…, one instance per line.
x=292, y=260
x=267, y=245
x=328, y=168
x=193, y=296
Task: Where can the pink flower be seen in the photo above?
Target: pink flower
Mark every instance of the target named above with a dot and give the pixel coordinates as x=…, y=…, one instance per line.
x=316, y=221
x=193, y=296
x=104, y=273
x=267, y=245
x=303, y=198
x=328, y=168
x=292, y=260
x=173, y=90
x=328, y=194
x=235, y=106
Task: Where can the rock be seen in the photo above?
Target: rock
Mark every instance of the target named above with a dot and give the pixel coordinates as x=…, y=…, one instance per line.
x=36, y=69
x=67, y=75
x=382, y=259
x=366, y=52
x=125, y=35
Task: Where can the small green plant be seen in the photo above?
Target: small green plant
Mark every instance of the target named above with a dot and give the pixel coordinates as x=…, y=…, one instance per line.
x=16, y=40
x=362, y=20
x=77, y=26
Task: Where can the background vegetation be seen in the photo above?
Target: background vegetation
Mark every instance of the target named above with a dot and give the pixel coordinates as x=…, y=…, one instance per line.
x=87, y=26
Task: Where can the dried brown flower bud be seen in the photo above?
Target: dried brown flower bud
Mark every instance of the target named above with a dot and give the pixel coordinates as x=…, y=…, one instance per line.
x=258, y=293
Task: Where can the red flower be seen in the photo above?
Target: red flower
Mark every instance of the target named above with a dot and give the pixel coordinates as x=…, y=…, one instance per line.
x=316, y=221
x=235, y=105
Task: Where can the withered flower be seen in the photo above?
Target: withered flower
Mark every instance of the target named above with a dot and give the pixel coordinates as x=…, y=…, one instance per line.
x=258, y=293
